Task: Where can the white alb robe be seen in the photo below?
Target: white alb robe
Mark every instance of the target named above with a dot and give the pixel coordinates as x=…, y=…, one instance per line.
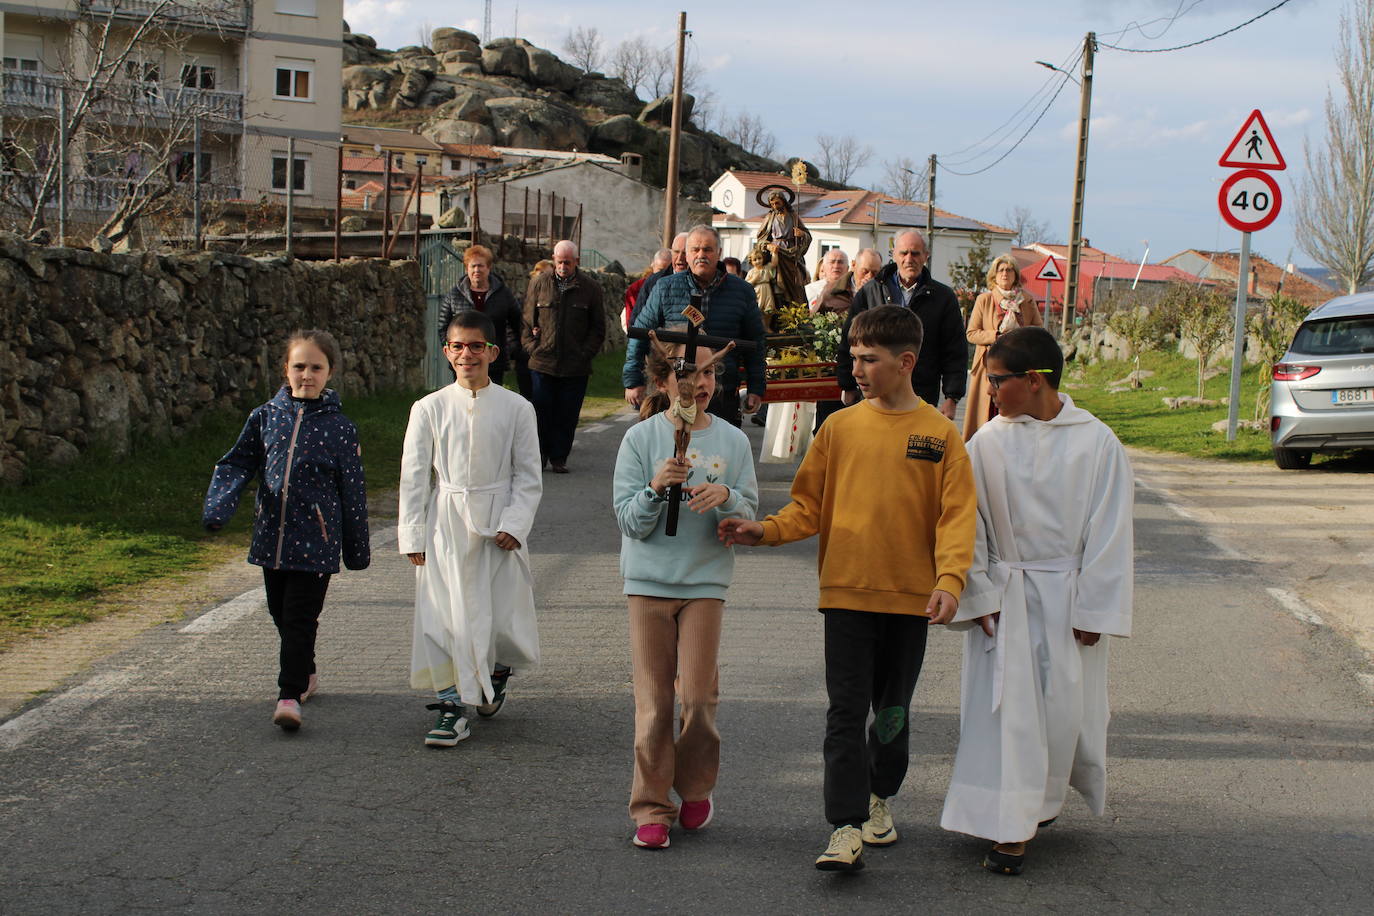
x=1054, y=552
x=470, y=469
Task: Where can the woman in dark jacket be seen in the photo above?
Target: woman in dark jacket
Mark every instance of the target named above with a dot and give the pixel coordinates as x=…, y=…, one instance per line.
x=484, y=291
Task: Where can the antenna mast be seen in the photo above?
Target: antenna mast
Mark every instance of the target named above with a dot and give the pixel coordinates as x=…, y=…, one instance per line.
x=486, y=22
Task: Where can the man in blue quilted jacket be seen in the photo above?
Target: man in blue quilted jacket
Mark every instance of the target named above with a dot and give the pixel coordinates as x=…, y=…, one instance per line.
x=731, y=311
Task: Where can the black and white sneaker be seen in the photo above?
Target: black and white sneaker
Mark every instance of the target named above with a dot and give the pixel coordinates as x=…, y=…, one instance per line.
x=498, y=689
x=450, y=727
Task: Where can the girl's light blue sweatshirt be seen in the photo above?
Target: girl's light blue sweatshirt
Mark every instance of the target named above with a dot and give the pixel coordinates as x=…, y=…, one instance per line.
x=694, y=564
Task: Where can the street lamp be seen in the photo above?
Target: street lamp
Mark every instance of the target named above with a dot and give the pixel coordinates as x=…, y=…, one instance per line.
x=1049, y=66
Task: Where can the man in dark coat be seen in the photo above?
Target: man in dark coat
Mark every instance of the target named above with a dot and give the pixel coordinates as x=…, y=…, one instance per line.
x=563, y=330
x=731, y=311
x=943, y=360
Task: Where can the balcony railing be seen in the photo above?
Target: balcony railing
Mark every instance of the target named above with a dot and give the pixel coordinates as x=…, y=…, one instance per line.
x=129, y=99
x=102, y=195
x=211, y=14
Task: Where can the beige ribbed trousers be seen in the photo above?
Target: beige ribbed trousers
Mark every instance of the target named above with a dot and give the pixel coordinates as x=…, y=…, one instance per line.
x=674, y=638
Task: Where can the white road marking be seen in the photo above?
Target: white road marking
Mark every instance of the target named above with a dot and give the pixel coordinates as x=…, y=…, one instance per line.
x=1172, y=503
x=63, y=706
x=1296, y=606
x=227, y=614
x=595, y=428
x=626, y=417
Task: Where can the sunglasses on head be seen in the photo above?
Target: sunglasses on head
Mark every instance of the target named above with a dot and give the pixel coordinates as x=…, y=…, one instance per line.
x=458, y=346
x=995, y=381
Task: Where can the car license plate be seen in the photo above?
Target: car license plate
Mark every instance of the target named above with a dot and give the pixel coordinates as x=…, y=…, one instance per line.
x=1342, y=396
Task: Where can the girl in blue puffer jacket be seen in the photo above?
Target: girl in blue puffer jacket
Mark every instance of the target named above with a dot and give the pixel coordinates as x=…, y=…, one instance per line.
x=311, y=505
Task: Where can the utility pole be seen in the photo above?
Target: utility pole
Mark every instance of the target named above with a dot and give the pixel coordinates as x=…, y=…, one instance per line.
x=674, y=139
x=290, y=193
x=930, y=211
x=196, y=179
x=1079, y=181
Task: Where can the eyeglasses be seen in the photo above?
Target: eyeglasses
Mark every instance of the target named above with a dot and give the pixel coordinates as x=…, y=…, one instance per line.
x=995, y=381
x=458, y=346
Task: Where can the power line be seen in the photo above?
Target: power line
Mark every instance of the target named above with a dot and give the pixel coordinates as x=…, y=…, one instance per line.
x=1193, y=44
x=1062, y=83
x=1011, y=123
x=1169, y=22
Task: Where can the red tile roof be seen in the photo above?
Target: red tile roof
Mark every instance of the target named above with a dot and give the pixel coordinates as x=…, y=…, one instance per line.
x=754, y=181
x=1270, y=277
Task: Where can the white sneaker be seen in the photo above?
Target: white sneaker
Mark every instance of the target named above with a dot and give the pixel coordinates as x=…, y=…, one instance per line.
x=879, y=829
x=845, y=852
x=450, y=727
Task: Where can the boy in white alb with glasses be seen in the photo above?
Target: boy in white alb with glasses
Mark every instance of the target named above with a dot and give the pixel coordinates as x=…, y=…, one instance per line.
x=467, y=533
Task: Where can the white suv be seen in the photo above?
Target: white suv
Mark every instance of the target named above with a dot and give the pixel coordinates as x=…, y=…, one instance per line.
x=1322, y=393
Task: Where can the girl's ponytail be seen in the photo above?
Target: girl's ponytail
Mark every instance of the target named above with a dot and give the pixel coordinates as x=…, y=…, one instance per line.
x=658, y=369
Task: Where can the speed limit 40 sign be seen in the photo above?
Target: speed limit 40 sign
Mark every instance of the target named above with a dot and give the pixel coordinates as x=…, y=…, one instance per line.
x=1250, y=200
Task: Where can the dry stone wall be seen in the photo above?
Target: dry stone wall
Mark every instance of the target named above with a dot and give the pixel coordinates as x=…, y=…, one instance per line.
x=96, y=349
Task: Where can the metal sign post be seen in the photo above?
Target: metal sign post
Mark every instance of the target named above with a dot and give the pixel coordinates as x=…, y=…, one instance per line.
x=1249, y=200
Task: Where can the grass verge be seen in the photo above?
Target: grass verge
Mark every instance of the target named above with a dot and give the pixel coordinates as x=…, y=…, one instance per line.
x=69, y=534
x=1140, y=418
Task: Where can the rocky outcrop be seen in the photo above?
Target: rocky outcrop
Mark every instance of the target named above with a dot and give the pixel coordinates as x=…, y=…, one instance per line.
x=514, y=93
x=97, y=349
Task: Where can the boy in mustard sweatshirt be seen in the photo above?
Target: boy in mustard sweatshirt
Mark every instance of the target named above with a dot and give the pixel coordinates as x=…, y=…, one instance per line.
x=888, y=487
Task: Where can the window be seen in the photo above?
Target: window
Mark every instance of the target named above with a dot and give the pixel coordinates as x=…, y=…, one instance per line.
x=300, y=174
x=293, y=79
x=146, y=72
x=351, y=184
x=296, y=7
x=24, y=53
x=421, y=161
x=198, y=76
x=184, y=166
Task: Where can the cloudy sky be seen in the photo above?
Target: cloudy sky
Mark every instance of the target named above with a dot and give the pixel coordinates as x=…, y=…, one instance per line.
x=960, y=80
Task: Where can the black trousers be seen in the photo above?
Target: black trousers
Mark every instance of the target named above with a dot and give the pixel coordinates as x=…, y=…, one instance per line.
x=725, y=403
x=295, y=599
x=871, y=663
x=557, y=405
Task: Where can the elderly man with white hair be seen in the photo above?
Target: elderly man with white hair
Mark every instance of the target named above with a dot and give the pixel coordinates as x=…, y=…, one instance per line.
x=563, y=328
x=942, y=364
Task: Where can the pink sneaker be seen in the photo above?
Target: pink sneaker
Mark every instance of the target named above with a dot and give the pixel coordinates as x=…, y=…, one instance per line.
x=697, y=814
x=651, y=836
x=288, y=715
x=311, y=688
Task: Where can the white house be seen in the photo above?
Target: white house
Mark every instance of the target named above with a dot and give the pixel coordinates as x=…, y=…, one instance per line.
x=848, y=220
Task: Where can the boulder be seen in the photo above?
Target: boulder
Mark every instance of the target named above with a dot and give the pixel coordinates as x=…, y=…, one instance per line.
x=620, y=133
x=447, y=39
x=537, y=124
x=660, y=110
x=412, y=86
x=438, y=92
x=366, y=87
x=105, y=405
x=452, y=218
x=462, y=68
x=548, y=71
x=506, y=60
x=413, y=51
x=608, y=94
x=426, y=64
x=694, y=156
x=466, y=104
x=451, y=130
x=358, y=38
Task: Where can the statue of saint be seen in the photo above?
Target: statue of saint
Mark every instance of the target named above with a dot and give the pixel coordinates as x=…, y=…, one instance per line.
x=786, y=239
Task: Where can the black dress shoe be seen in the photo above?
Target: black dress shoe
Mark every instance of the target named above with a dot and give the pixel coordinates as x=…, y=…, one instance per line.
x=558, y=467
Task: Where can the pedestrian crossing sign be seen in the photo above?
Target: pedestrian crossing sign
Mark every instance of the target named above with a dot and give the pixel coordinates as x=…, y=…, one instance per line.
x=1253, y=147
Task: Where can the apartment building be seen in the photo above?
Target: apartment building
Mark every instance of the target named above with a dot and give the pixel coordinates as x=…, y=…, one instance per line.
x=233, y=79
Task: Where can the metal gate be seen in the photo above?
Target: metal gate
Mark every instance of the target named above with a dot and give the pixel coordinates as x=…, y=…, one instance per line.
x=441, y=267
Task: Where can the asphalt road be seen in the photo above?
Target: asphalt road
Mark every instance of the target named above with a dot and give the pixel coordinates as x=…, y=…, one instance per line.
x=1242, y=758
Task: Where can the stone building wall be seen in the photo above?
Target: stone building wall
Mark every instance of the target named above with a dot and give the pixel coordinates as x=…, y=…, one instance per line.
x=96, y=349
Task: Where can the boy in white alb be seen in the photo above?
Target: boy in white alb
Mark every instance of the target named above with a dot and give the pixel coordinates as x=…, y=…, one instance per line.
x=466, y=533
x=1052, y=574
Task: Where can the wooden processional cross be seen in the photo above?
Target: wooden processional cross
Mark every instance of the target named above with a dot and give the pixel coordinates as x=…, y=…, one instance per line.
x=681, y=390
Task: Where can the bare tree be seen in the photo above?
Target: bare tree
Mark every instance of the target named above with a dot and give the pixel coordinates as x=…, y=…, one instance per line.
x=128, y=127
x=631, y=62
x=1028, y=228
x=902, y=180
x=749, y=132
x=1204, y=321
x=841, y=157
x=1336, y=196
x=584, y=48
